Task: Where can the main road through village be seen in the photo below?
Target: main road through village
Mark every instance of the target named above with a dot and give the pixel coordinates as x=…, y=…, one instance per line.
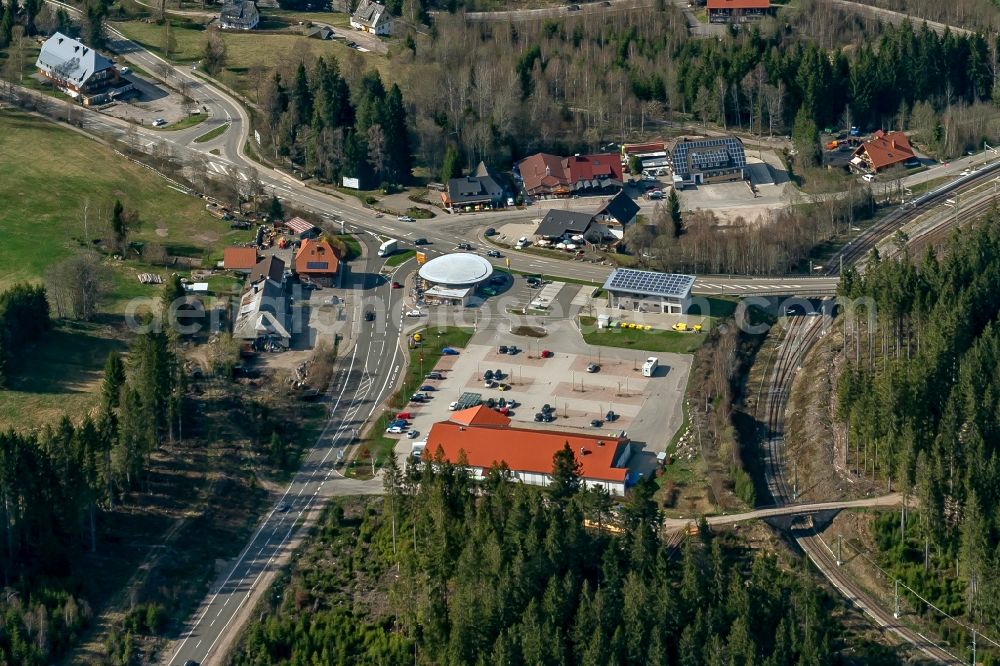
x=363, y=379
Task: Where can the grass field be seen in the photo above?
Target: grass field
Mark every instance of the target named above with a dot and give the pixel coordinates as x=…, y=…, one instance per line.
x=656, y=341
x=48, y=174
x=244, y=52
x=212, y=134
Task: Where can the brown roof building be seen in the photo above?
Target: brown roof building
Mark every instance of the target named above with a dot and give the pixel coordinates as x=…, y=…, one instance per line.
x=547, y=175
x=316, y=259
x=885, y=149
x=239, y=259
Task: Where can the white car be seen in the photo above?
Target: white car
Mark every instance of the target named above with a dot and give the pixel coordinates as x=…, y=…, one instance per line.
x=868, y=178
x=159, y=122
x=966, y=173
x=394, y=430
x=124, y=70
x=412, y=434
x=453, y=407
x=414, y=313
x=405, y=218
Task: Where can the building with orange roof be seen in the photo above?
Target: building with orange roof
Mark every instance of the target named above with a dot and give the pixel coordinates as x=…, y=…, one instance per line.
x=883, y=150
x=241, y=259
x=485, y=437
x=737, y=11
x=317, y=260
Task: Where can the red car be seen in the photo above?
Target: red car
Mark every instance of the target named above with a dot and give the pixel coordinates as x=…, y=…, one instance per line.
x=396, y=285
x=547, y=354
x=404, y=416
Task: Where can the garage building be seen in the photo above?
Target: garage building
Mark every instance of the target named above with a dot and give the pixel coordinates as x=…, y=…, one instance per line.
x=649, y=291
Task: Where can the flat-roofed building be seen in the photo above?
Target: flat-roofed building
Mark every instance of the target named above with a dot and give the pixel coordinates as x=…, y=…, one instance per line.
x=649, y=291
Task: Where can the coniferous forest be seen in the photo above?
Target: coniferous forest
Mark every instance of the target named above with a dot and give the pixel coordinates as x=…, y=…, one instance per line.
x=442, y=571
x=920, y=400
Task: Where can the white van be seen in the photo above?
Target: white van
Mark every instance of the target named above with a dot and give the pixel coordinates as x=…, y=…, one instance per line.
x=649, y=367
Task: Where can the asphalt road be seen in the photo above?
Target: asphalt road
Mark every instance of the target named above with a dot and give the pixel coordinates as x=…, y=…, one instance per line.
x=362, y=380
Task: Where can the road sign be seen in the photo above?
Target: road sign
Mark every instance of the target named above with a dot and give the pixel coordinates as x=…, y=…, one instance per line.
x=421, y=258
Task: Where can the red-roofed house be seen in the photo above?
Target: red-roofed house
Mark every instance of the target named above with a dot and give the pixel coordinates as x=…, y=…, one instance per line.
x=301, y=229
x=241, y=259
x=737, y=11
x=545, y=175
x=318, y=261
x=486, y=437
x=885, y=149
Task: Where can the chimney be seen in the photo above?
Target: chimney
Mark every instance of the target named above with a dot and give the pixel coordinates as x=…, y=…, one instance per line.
x=600, y=442
x=583, y=451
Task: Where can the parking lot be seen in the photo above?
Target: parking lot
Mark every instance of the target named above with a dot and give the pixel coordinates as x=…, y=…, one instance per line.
x=648, y=409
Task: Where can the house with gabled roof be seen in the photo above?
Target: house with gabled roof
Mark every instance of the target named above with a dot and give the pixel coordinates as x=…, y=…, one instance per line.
x=317, y=261
x=544, y=175
x=372, y=17
x=482, y=189
x=239, y=15
x=79, y=70
x=883, y=150
x=269, y=268
x=481, y=437
x=261, y=318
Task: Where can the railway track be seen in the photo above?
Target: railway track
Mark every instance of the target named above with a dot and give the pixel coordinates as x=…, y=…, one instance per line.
x=802, y=333
x=859, y=247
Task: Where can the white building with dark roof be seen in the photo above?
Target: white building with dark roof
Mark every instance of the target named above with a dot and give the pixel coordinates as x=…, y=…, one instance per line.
x=372, y=17
x=80, y=71
x=239, y=15
x=649, y=291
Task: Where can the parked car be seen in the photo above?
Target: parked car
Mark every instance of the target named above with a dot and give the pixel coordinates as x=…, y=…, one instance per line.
x=546, y=408
x=412, y=434
x=512, y=350
x=489, y=383
x=414, y=313
x=490, y=231
x=395, y=430
x=868, y=177
x=396, y=285
x=453, y=406
x=502, y=349
x=539, y=416
x=504, y=409
x=159, y=122
x=403, y=417
x=494, y=253
x=416, y=397
x=427, y=387
x=124, y=70
x=488, y=375
x=491, y=403
x=610, y=416
x=593, y=367
x=547, y=354
x=504, y=387
x=597, y=423
x=548, y=417
x=434, y=375
x=449, y=351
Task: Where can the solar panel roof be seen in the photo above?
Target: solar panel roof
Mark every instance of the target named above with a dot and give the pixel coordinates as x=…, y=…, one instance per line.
x=650, y=283
x=708, y=154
